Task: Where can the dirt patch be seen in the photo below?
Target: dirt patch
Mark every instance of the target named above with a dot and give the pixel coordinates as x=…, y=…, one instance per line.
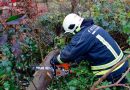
x=121, y=39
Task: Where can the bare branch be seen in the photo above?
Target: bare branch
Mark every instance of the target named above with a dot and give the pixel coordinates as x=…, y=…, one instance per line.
x=74, y=4
x=112, y=85
x=105, y=75
x=123, y=76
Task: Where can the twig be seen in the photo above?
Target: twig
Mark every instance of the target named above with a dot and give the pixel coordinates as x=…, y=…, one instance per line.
x=123, y=76
x=112, y=85
x=117, y=83
x=89, y=9
x=105, y=75
x=40, y=49
x=74, y=4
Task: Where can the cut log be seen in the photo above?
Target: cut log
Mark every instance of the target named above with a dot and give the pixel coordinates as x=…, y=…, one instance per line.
x=42, y=78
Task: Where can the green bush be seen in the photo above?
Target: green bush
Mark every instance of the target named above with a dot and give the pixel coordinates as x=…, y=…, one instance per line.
x=81, y=78
x=111, y=16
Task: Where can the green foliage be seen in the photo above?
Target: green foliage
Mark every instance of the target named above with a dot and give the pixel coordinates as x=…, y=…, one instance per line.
x=59, y=42
x=17, y=55
x=128, y=77
x=129, y=40
x=53, y=21
x=111, y=16
x=81, y=78
x=14, y=69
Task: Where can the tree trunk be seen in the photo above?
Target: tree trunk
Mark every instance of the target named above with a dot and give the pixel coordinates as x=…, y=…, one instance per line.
x=42, y=78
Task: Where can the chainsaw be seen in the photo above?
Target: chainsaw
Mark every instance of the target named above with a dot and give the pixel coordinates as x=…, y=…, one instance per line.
x=58, y=70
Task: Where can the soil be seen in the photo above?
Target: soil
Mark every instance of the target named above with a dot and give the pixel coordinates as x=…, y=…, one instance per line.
x=121, y=39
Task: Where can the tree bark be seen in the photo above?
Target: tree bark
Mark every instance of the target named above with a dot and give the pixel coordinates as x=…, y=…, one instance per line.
x=74, y=4
x=42, y=78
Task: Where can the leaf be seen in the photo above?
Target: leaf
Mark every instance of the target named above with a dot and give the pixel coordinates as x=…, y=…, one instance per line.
x=1, y=11
x=126, y=28
x=127, y=52
x=72, y=88
x=105, y=23
x=5, y=63
x=2, y=72
x=107, y=89
x=11, y=18
x=124, y=22
x=8, y=70
x=128, y=14
x=128, y=40
x=6, y=85
x=73, y=82
x=1, y=27
x=128, y=77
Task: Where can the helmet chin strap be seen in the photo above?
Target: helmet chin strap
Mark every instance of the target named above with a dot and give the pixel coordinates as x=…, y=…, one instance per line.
x=77, y=30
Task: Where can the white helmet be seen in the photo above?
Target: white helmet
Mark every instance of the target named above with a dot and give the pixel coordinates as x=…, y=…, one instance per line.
x=72, y=22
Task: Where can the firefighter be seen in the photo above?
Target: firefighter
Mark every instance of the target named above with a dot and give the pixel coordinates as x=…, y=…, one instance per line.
x=91, y=42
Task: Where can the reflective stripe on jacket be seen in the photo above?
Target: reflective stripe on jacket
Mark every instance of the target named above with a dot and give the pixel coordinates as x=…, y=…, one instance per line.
x=95, y=45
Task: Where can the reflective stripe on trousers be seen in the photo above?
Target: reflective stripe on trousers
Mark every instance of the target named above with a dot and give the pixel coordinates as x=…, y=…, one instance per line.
x=102, y=72
x=105, y=71
x=108, y=65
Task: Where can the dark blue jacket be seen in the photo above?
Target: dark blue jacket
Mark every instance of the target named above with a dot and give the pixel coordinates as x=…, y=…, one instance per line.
x=94, y=44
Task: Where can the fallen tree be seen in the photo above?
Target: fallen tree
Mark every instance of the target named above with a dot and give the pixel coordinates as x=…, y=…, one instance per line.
x=42, y=78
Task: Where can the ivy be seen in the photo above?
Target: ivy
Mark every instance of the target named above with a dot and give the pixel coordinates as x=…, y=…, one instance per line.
x=81, y=78
x=22, y=48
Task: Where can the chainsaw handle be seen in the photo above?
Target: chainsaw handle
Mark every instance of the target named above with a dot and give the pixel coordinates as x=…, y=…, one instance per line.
x=54, y=67
x=66, y=66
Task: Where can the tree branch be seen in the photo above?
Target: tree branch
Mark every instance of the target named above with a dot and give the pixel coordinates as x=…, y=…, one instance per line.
x=123, y=76
x=105, y=75
x=74, y=4
x=112, y=85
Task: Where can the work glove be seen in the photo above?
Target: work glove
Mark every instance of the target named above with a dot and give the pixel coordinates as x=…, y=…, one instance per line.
x=47, y=61
x=54, y=61
x=50, y=56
